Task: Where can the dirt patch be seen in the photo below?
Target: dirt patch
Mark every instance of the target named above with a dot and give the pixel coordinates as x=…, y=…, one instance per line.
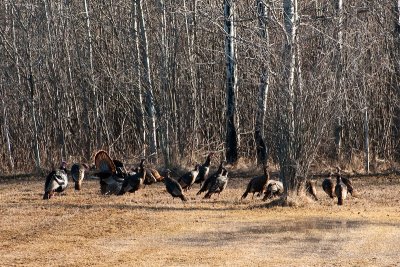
x=151, y=228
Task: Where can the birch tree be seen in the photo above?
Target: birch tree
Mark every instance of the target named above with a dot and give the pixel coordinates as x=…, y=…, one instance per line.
x=339, y=74
x=231, y=81
x=150, y=106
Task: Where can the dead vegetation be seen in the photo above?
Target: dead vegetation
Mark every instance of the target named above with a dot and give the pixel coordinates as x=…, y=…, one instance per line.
x=150, y=228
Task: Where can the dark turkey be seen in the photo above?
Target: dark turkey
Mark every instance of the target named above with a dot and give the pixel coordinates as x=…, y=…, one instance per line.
x=56, y=181
x=111, y=178
x=311, y=188
x=347, y=182
x=133, y=182
x=274, y=188
x=349, y=185
x=219, y=184
x=210, y=180
x=78, y=172
x=173, y=187
x=340, y=190
x=328, y=186
x=257, y=184
x=204, y=170
x=187, y=180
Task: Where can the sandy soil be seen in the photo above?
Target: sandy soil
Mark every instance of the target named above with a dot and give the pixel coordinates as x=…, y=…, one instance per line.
x=149, y=228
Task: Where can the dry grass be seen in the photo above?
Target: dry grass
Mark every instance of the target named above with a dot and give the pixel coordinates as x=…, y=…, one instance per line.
x=149, y=228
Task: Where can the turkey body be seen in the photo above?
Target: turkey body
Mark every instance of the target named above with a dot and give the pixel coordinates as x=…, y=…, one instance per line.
x=133, y=182
x=210, y=180
x=218, y=184
x=111, y=177
x=187, y=180
x=173, y=187
x=204, y=170
x=78, y=172
x=329, y=187
x=257, y=184
x=340, y=190
x=56, y=181
x=274, y=188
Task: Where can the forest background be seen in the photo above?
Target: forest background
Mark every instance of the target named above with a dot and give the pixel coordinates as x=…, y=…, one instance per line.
x=149, y=79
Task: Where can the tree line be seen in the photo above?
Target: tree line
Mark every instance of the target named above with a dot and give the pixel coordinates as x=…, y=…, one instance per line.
x=312, y=80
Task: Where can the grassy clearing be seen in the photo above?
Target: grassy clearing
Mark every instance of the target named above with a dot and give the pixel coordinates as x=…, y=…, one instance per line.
x=150, y=228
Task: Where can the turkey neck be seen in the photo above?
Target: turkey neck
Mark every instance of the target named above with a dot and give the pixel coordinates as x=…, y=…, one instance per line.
x=208, y=161
x=266, y=174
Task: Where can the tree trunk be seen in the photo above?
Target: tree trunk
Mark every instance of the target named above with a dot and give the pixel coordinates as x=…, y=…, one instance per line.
x=164, y=123
x=136, y=66
x=286, y=155
x=366, y=140
x=92, y=83
x=150, y=107
x=339, y=75
x=231, y=81
x=6, y=133
x=261, y=147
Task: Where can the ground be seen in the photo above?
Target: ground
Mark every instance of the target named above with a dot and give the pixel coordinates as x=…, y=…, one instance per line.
x=149, y=228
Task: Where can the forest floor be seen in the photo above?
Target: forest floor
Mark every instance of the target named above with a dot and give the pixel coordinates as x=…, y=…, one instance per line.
x=149, y=228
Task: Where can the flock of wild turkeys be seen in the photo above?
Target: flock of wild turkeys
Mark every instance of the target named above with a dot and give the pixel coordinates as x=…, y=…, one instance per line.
x=114, y=179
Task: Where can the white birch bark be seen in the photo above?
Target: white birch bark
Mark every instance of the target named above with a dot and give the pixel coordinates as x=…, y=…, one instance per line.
x=287, y=154
x=138, y=75
x=92, y=78
x=151, y=117
x=339, y=76
x=6, y=133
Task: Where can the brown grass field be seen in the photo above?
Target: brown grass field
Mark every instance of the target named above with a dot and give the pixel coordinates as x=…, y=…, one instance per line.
x=149, y=228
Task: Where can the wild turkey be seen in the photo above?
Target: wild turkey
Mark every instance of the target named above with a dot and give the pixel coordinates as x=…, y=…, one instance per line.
x=78, y=172
x=347, y=182
x=210, y=180
x=349, y=185
x=56, y=181
x=257, y=184
x=110, y=179
x=204, y=170
x=152, y=176
x=187, y=180
x=340, y=190
x=219, y=184
x=311, y=188
x=274, y=188
x=133, y=182
x=328, y=186
x=173, y=187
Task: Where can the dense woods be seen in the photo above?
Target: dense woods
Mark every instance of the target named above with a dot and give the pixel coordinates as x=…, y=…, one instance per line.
x=149, y=78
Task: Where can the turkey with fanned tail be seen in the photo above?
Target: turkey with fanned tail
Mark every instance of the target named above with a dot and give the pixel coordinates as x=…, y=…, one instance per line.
x=111, y=177
x=56, y=181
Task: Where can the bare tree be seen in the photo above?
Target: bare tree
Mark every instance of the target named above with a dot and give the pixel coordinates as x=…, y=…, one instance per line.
x=261, y=147
x=150, y=107
x=231, y=81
